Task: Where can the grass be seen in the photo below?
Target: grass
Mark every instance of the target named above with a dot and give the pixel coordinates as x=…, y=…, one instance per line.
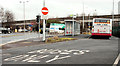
x=57, y=39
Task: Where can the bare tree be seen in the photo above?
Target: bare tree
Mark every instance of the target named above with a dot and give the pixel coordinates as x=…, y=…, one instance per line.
x=1, y=14
x=8, y=16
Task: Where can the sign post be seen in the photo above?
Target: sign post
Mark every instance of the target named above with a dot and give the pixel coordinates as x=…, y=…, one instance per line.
x=44, y=12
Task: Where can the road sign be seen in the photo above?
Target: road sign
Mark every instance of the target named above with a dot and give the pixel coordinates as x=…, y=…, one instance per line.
x=44, y=10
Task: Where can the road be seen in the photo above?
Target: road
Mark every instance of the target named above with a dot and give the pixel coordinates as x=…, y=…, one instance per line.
x=81, y=51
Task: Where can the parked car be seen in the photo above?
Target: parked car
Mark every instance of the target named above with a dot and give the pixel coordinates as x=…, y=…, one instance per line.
x=5, y=30
x=22, y=30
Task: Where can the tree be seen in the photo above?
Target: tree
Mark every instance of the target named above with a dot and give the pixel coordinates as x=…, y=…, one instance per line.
x=6, y=16
x=1, y=14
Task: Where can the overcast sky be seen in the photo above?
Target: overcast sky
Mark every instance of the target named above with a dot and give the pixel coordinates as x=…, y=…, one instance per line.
x=59, y=8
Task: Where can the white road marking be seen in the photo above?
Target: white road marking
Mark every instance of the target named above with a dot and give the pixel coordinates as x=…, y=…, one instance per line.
x=33, y=61
x=57, y=58
x=80, y=53
x=37, y=58
x=64, y=53
x=38, y=55
x=16, y=58
x=117, y=60
x=29, y=58
x=57, y=51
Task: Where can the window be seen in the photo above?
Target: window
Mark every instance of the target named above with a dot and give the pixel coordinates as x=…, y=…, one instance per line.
x=102, y=20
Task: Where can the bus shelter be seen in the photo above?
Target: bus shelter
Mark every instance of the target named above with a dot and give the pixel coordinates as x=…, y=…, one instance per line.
x=72, y=27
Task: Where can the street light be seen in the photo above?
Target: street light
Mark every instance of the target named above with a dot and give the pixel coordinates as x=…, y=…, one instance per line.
x=44, y=25
x=113, y=16
x=89, y=22
x=24, y=12
x=83, y=15
x=113, y=13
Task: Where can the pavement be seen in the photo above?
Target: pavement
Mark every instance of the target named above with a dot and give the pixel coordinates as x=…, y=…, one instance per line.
x=81, y=51
x=37, y=41
x=15, y=37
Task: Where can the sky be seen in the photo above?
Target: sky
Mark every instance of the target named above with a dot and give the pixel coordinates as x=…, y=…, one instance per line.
x=58, y=8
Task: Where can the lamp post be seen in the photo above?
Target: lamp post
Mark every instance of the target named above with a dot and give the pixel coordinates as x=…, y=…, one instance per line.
x=89, y=22
x=83, y=17
x=24, y=12
x=113, y=16
x=44, y=25
x=113, y=13
x=73, y=31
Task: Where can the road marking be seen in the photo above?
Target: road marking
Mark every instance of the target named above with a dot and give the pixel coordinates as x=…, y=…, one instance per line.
x=16, y=58
x=37, y=55
x=117, y=60
x=58, y=51
x=57, y=58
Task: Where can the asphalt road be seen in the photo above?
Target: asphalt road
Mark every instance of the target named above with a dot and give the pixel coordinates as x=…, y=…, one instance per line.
x=81, y=51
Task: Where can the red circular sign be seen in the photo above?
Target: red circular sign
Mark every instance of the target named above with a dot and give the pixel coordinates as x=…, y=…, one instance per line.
x=44, y=11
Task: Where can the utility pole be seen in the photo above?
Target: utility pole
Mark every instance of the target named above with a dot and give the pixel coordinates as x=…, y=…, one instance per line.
x=39, y=25
x=44, y=25
x=113, y=14
x=24, y=12
x=73, y=31
x=83, y=15
x=89, y=22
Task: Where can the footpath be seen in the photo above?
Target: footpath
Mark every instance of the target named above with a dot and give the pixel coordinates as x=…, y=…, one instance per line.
x=37, y=41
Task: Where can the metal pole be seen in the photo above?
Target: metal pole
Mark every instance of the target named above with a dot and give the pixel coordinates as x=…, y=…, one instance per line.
x=44, y=30
x=24, y=16
x=44, y=3
x=24, y=13
x=44, y=23
x=113, y=16
x=73, y=27
x=39, y=26
x=89, y=23
x=83, y=15
x=113, y=13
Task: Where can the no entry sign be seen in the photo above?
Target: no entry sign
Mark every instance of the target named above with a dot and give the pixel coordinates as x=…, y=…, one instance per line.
x=44, y=10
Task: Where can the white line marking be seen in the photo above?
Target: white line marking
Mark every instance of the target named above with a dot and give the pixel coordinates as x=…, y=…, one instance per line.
x=117, y=60
x=16, y=58
x=57, y=58
x=29, y=58
x=64, y=53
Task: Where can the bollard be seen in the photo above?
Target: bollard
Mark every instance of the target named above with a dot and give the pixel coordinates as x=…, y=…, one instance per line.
x=15, y=30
